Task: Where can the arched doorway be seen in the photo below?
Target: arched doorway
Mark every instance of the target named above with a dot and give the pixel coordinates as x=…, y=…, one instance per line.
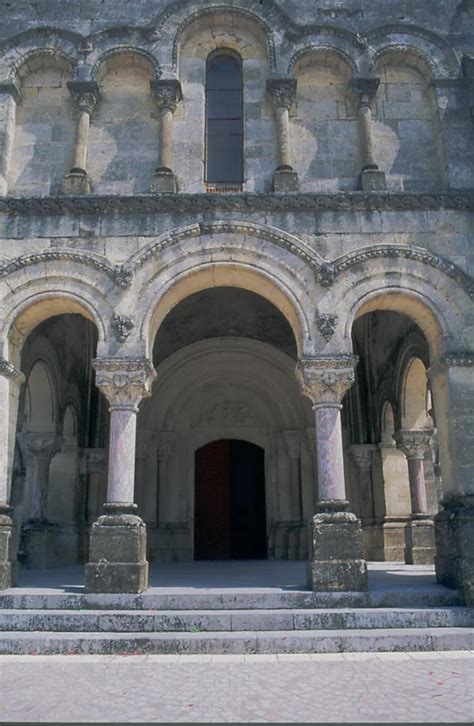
x=229, y=501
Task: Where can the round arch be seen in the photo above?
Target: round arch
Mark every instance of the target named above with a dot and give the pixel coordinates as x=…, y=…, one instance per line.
x=225, y=275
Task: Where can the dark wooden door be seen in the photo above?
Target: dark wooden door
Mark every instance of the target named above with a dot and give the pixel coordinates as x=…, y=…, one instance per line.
x=230, y=519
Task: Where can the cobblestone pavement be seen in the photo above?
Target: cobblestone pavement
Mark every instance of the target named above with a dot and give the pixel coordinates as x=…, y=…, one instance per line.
x=351, y=687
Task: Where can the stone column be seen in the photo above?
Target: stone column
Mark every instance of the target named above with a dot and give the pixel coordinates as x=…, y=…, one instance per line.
x=9, y=97
x=86, y=94
x=293, y=445
x=363, y=457
x=168, y=94
x=117, y=557
x=419, y=549
x=337, y=561
x=9, y=376
x=468, y=73
x=365, y=90
x=39, y=449
x=283, y=93
x=166, y=442
x=96, y=466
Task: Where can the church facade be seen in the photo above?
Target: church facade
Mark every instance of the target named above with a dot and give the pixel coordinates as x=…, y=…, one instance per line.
x=236, y=287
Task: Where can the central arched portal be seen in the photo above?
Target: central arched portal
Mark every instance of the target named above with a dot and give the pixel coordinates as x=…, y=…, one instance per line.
x=229, y=501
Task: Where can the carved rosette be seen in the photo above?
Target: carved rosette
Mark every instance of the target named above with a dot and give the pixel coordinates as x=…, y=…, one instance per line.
x=363, y=455
x=282, y=91
x=167, y=93
x=86, y=94
x=124, y=381
x=7, y=370
x=413, y=442
x=325, y=381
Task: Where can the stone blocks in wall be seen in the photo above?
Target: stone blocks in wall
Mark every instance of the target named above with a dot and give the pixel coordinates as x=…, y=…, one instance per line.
x=337, y=561
x=45, y=545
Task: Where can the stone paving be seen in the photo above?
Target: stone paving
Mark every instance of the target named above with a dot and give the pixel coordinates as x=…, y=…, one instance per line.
x=352, y=687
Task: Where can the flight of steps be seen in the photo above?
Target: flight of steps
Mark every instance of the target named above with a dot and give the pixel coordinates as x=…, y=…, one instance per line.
x=235, y=621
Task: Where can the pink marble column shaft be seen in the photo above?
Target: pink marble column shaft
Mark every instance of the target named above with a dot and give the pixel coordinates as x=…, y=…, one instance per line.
x=121, y=479
x=416, y=474
x=329, y=453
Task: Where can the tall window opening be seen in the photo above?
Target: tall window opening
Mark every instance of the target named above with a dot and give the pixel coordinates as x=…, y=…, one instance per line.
x=224, y=121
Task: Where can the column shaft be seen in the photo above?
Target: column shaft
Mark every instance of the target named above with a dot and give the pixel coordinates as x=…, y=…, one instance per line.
x=82, y=139
x=283, y=134
x=283, y=93
x=366, y=136
x=4, y=438
x=122, y=442
x=166, y=144
x=9, y=95
x=416, y=474
x=329, y=453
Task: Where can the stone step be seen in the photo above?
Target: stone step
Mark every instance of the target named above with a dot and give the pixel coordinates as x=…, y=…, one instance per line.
x=138, y=621
x=436, y=596
x=278, y=641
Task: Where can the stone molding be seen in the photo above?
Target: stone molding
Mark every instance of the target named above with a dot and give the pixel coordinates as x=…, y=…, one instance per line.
x=325, y=381
x=461, y=359
x=234, y=202
x=282, y=91
x=7, y=370
x=86, y=94
x=293, y=443
x=363, y=455
x=10, y=88
x=124, y=381
x=118, y=273
x=167, y=92
x=413, y=442
x=121, y=326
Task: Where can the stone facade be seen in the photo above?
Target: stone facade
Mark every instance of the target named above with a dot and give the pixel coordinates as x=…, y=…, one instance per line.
x=322, y=310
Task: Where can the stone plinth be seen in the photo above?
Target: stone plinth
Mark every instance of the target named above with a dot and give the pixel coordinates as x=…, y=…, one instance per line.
x=420, y=544
x=117, y=554
x=163, y=182
x=76, y=182
x=6, y=573
x=372, y=180
x=337, y=561
x=285, y=180
x=454, y=532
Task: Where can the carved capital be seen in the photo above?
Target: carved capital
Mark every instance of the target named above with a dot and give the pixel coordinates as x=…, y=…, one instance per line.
x=86, y=94
x=122, y=326
x=413, y=442
x=282, y=91
x=293, y=443
x=40, y=447
x=124, y=381
x=365, y=89
x=326, y=324
x=363, y=455
x=326, y=380
x=166, y=442
x=7, y=370
x=10, y=88
x=167, y=93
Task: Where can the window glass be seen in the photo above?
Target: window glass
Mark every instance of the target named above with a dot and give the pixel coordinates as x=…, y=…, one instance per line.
x=224, y=122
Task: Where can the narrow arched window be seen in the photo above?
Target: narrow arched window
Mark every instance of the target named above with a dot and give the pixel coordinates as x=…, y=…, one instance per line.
x=224, y=121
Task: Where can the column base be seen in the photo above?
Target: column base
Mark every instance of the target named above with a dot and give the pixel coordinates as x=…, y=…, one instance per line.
x=337, y=563
x=117, y=555
x=420, y=543
x=372, y=180
x=6, y=527
x=163, y=181
x=372, y=538
x=285, y=180
x=394, y=542
x=76, y=182
x=454, y=529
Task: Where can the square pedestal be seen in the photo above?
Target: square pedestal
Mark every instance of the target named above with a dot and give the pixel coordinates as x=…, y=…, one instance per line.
x=76, y=182
x=372, y=180
x=420, y=544
x=337, y=563
x=117, y=555
x=285, y=180
x=394, y=541
x=6, y=575
x=455, y=546
x=163, y=182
